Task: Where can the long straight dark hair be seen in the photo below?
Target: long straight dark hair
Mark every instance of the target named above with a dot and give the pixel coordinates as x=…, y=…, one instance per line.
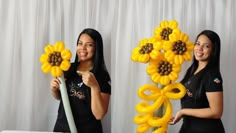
x=214, y=59
x=98, y=58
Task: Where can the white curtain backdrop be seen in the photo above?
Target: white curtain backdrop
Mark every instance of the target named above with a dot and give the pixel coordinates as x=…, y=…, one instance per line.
x=26, y=26
x=136, y=19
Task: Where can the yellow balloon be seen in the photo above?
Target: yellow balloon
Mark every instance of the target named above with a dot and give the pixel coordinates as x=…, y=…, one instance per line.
x=143, y=128
x=169, y=91
x=156, y=121
x=153, y=92
x=142, y=118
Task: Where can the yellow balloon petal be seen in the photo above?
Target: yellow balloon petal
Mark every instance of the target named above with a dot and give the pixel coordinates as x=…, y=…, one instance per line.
x=173, y=76
x=43, y=58
x=66, y=54
x=173, y=37
x=178, y=59
x=155, y=54
x=56, y=71
x=144, y=58
x=49, y=49
x=164, y=80
x=184, y=37
x=46, y=67
x=167, y=45
x=155, y=77
x=169, y=55
x=190, y=46
x=176, y=68
x=164, y=24
x=187, y=56
x=65, y=65
x=173, y=24
x=59, y=46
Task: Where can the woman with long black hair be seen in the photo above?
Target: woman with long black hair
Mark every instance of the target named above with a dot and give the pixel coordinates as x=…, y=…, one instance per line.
x=202, y=106
x=88, y=85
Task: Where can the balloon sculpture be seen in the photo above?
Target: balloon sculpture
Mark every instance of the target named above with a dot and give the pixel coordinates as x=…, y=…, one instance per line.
x=56, y=59
x=164, y=52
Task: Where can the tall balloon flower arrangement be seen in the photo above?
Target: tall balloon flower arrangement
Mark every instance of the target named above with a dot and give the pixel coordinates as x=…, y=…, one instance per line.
x=164, y=53
x=56, y=59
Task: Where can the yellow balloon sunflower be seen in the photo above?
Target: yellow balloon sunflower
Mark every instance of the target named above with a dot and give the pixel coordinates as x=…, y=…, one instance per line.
x=166, y=28
x=178, y=48
x=163, y=71
x=55, y=59
x=147, y=49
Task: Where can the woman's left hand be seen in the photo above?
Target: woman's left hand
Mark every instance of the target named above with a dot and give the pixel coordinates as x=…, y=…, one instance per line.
x=88, y=79
x=177, y=117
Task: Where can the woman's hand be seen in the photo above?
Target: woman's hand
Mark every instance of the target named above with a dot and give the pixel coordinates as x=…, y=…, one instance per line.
x=88, y=79
x=55, y=88
x=177, y=118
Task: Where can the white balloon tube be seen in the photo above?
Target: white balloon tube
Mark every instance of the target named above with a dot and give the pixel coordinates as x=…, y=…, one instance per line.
x=66, y=104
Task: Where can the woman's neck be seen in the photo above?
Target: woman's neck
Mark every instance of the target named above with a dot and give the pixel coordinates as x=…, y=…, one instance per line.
x=201, y=65
x=85, y=66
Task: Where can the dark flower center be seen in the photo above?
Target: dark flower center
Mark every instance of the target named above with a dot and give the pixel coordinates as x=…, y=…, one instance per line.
x=165, y=33
x=179, y=47
x=146, y=49
x=55, y=59
x=164, y=68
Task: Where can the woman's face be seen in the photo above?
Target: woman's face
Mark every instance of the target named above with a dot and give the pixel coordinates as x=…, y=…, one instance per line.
x=202, y=48
x=85, y=48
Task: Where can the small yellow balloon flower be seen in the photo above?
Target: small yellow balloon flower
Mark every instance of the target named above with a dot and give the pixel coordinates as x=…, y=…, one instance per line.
x=146, y=50
x=178, y=49
x=55, y=59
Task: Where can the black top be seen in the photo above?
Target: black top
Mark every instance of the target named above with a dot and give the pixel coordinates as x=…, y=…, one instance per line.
x=197, y=86
x=80, y=102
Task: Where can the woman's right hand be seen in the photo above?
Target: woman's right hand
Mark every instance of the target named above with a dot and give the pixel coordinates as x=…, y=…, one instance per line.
x=55, y=86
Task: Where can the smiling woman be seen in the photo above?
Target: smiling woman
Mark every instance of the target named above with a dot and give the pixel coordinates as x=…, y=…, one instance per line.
x=202, y=106
x=88, y=85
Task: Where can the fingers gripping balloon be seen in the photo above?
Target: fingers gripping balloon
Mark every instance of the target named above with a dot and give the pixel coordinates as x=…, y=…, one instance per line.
x=56, y=59
x=164, y=52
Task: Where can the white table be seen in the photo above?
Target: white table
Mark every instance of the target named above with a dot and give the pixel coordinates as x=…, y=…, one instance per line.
x=16, y=131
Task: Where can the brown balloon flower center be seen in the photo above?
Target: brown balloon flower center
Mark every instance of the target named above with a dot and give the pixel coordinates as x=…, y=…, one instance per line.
x=179, y=47
x=165, y=33
x=55, y=59
x=146, y=49
x=164, y=68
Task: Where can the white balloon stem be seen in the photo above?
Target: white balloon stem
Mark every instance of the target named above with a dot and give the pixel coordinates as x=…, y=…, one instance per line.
x=66, y=104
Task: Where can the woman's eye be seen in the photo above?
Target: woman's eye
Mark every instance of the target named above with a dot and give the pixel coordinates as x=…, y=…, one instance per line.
x=90, y=44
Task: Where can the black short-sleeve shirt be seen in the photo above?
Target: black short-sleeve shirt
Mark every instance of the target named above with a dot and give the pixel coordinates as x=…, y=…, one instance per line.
x=197, y=86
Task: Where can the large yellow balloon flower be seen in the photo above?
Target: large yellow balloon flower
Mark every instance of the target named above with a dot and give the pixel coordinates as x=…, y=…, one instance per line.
x=178, y=48
x=147, y=49
x=55, y=59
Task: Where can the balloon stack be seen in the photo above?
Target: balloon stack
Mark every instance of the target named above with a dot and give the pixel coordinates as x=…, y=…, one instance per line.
x=164, y=53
